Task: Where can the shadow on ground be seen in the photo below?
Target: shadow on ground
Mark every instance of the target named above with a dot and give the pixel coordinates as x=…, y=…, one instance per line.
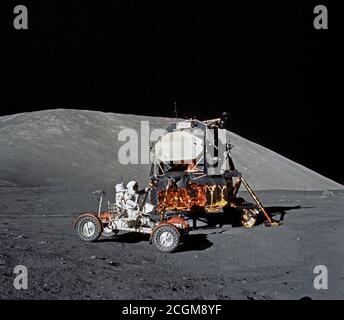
x=200, y=242
x=196, y=242
x=233, y=219
x=130, y=237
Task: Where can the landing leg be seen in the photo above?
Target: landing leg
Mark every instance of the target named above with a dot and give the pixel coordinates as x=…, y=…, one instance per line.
x=270, y=222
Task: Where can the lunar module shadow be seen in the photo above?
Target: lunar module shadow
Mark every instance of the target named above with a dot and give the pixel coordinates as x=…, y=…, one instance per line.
x=232, y=218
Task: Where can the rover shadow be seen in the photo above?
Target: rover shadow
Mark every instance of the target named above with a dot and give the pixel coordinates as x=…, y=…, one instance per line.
x=196, y=242
x=193, y=242
x=128, y=237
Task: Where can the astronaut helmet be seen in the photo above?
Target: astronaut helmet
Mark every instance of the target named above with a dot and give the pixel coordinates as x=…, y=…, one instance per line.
x=132, y=187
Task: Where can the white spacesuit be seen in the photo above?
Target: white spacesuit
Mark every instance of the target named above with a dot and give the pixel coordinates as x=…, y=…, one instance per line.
x=120, y=195
x=131, y=199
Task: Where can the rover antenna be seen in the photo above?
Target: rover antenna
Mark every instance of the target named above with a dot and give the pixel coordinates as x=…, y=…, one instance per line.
x=175, y=110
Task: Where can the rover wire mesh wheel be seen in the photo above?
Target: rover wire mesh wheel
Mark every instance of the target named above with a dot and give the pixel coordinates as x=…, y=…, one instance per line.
x=248, y=218
x=166, y=238
x=88, y=228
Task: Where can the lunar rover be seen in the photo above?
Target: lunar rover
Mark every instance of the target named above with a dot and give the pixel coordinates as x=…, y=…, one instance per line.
x=166, y=233
x=192, y=176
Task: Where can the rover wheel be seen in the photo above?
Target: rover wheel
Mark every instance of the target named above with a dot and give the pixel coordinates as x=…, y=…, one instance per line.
x=248, y=219
x=88, y=228
x=166, y=238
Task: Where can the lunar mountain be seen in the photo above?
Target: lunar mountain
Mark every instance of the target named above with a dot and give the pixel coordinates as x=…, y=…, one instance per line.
x=63, y=147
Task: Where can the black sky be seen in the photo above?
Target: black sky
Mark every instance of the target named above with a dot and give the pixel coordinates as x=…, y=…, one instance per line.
x=262, y=61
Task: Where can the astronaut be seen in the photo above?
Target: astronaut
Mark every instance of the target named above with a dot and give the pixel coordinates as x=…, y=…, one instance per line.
x=131, y=199
x=120, y=195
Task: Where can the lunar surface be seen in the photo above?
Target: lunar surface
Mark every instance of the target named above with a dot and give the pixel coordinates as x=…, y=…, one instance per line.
x=51, y=161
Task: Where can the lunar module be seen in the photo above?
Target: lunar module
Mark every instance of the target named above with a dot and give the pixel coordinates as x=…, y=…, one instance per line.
x=192, y=179
x=194, y=173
